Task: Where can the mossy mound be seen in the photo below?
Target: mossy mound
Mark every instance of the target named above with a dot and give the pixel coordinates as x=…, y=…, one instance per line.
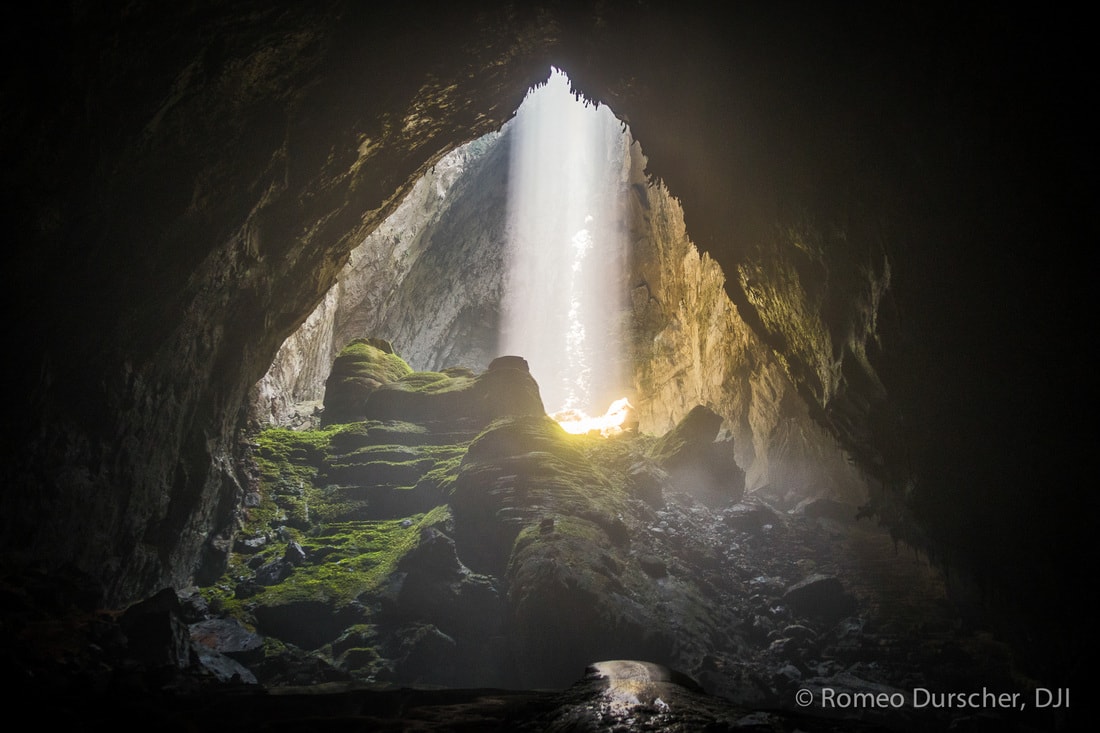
x=362, y=366
x=456, y=399
x=570, y=597
x=519, y=471
x=522, y=435
x=376, y=432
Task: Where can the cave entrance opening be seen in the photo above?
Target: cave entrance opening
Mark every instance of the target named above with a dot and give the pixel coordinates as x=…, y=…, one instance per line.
x=519, y=242
x=565, y=294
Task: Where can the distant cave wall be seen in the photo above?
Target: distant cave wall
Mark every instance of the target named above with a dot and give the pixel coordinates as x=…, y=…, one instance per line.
x=429, y=280
x=440, y=309
x=691, y=346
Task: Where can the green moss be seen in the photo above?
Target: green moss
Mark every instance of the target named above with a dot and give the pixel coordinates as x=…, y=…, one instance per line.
x=535, y=468
x=437, y=397
x=425, y=382
x=573, y=530
x=349, y=437
x=357, y=557
x=363, y=360
x=513, y=436
x=447, y=461
x=359, y=369
x=371, y=453
x=378, y=473
x=279, y=450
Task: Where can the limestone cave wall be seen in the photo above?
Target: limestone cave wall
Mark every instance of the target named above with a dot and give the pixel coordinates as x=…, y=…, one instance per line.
x=428, y=279
x=691, y=346
x=193, y=182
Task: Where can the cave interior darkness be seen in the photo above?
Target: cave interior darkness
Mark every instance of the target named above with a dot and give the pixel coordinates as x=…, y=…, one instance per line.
x=185, y=183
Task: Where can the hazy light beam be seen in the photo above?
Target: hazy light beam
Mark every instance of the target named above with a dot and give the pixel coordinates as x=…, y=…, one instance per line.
x=563, y=290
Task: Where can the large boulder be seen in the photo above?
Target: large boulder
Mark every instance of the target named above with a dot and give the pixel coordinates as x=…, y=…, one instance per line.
x=509, y=473
x=569, y=601
x=821, y=596
x=361, y=367
x=506, y=389
x=698, y=463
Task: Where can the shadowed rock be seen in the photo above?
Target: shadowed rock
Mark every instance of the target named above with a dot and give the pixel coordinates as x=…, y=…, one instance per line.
x=696, y=463
x=819, y=595
x=362, y=366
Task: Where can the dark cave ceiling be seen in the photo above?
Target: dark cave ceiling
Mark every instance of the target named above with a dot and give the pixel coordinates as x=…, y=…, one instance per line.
x=183, y=182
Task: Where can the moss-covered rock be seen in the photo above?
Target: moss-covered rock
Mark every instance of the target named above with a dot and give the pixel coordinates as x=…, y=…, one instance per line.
x=434, y=585
x=362, y=366
x=459, y=400
x=569, y=601
x=452, y=529
x=517, y=471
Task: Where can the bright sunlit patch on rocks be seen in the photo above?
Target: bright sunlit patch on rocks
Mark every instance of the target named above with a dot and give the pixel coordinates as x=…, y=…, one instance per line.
x=619, y=417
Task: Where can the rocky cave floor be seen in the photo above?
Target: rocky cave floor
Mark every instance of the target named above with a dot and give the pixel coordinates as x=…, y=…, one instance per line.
x=899, y=633
x=489, y=588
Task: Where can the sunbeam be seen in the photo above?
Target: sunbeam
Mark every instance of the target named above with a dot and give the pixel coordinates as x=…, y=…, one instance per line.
x=564, y=296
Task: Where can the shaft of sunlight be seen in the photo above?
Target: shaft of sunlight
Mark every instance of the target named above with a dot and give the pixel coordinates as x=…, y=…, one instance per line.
x=564, y=288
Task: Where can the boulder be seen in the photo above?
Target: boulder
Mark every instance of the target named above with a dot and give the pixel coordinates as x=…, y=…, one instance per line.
x=223, y=668
x=361, y=367
x=225, y=636
x=435, y=397
x=821, y=596
x=648, y=482
x=510, y=362
x=697, y=463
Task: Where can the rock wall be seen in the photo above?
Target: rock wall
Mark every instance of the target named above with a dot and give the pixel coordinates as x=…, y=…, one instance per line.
x=429, y=281
x=185, y=183
x=691, y=347
x=193, y=180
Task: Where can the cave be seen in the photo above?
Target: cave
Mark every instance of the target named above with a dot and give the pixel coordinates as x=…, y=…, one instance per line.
x=853, y=309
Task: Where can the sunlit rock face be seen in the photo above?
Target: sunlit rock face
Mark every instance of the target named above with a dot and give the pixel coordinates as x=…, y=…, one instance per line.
x=692, y=347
